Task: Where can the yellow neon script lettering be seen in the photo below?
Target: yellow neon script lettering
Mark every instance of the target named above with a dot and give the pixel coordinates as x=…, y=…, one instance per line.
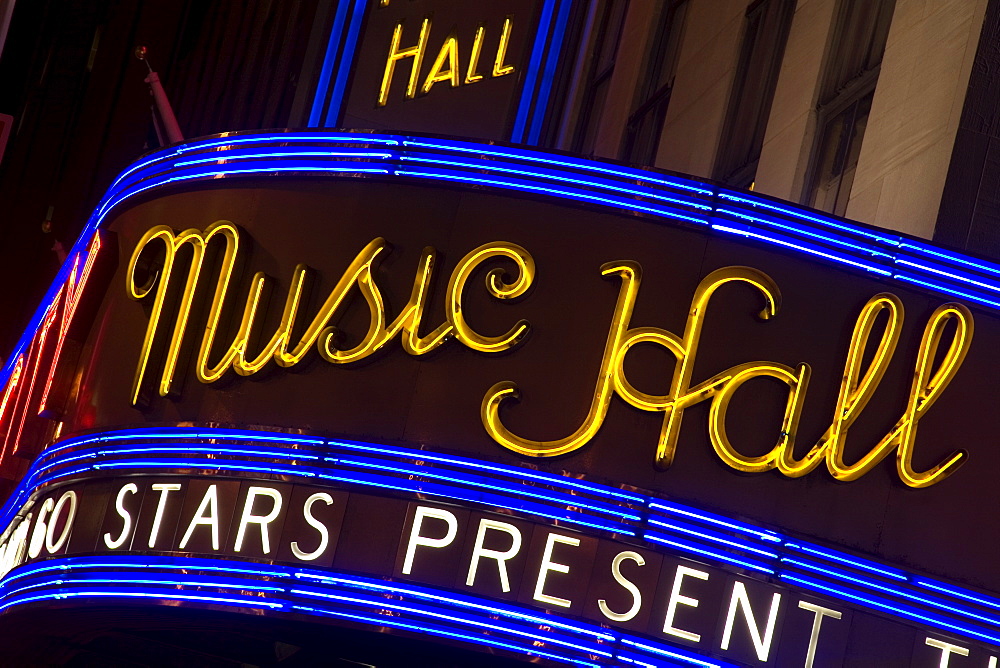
x=854, y=395
x=499, y=68
x=927, y=386
x=611, y=377
x=931, y=377
x=320, y=333
x=496, y=287
x=631, y=275
x=797, y=381
x=858, y=384
x=172, y=243
x=685, y=350
x=396, y=54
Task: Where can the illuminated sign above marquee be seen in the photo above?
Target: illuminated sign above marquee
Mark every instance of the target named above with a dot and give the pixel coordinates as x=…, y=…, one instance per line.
x=472, y=69
x=447, y=65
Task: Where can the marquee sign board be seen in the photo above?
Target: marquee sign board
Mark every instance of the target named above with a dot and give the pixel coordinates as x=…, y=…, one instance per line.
x=630, y=376
x=728, y=615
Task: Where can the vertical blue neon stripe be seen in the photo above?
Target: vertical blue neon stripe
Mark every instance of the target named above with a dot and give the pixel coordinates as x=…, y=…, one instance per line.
x=336, y=35
x=346, y=61
x=551, y=60
x=527, y=92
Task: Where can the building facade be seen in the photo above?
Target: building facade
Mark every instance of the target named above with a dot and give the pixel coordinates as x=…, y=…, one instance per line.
x=562, y=332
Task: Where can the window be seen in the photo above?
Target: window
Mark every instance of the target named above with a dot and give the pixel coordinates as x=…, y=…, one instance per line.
x=845, y=101
x=602, y=66
x=645, y=123
x=766, y=32
x=839, y=148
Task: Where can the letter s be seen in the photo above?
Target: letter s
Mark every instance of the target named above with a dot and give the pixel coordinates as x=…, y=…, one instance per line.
x=324, y=533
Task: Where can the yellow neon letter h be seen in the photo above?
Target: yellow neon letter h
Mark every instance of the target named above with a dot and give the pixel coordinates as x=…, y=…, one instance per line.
x=396, y=54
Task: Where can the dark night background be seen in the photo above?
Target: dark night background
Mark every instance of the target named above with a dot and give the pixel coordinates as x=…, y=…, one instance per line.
x=82, y=112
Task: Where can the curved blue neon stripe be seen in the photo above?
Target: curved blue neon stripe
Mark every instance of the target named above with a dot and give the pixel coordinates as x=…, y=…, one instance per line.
x=155, y=170
x=522, y=631
x=621, y=171
x=868, y=584
x=511, y=502
x=886, y=606
x=714, y=546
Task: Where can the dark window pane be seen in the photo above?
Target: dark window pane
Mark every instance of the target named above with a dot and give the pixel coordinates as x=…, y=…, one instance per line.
x=599, y=78
x=846, y=99
x=642, y=135
x=838, y=157
x=590, y=116
x=862, y=30
x=662, y=63
x=645, y=124
x=765, y=35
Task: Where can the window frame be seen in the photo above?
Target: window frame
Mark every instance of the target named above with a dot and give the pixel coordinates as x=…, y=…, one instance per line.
x=656, y=100
x=834, y=98
x=760, y=100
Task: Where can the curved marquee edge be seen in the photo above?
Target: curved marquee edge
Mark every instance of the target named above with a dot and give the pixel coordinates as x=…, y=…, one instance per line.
x=349, y=598
x=665, y=198
x=635, y=517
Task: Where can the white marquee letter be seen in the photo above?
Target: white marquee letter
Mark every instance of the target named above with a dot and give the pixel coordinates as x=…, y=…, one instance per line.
x=416, y=539
x=324, y=534
x=820, y=612
x=164, y=489
x=946, y=650
x=632, y=589
x=501, y=558
x=548, y=565
x=38, y=535
x=114, y=544
x=262, y=520
x=54, y=546
x=211, y=501
x=677, y=599
x=741, y=600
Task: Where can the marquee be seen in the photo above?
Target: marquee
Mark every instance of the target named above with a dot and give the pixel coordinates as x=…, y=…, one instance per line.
x=508, y=399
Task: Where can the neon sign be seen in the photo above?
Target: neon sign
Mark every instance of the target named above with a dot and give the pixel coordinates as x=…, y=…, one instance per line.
x=29, y=401
x=936, y=364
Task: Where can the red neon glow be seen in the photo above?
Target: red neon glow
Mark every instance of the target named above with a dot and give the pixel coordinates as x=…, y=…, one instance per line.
x=15, y=376
x=12, y=384
x=34, y=362
x=74, y=290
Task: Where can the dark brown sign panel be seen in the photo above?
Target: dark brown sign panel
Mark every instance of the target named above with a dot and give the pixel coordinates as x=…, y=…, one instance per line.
x=364, y=384
x=446, y=67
